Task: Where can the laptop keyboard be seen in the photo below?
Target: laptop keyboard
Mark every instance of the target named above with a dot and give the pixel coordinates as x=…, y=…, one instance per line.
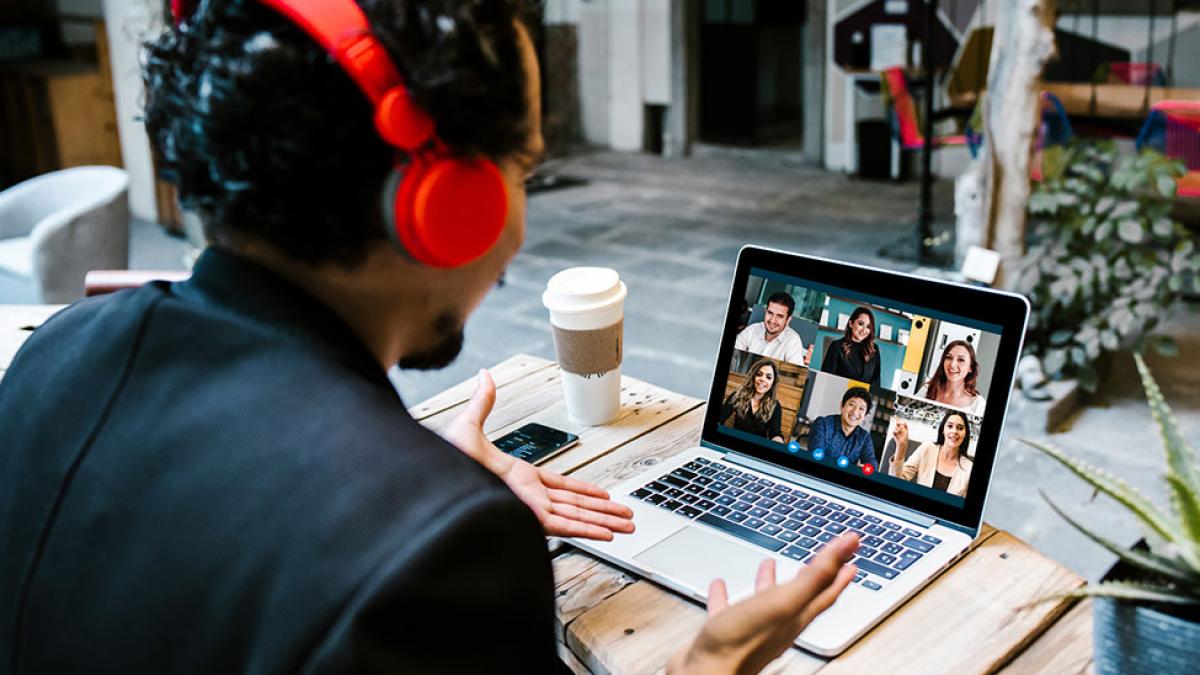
x=785, y=519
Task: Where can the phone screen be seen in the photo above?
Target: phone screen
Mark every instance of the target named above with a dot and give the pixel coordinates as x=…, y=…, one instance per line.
x=534, y=442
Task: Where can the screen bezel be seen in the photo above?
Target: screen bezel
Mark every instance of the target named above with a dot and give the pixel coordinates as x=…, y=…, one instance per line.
x=1009, y=311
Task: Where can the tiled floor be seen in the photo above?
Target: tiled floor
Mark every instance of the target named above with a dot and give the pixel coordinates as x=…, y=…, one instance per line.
x=672, y=228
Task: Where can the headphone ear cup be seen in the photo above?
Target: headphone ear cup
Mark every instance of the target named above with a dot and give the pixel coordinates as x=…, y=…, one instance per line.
x=449, y=212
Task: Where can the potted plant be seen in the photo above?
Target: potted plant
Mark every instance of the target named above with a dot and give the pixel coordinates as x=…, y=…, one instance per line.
x=1148, y=621
x=1106, y=261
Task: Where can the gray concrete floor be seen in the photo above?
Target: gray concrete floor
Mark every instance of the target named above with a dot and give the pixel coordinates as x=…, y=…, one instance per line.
x=672, y=228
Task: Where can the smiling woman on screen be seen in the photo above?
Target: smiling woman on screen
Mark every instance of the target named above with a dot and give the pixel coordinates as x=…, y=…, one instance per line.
x=955, y=383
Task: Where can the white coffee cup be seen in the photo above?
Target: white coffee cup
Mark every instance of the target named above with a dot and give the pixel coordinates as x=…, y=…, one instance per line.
x=587, y=309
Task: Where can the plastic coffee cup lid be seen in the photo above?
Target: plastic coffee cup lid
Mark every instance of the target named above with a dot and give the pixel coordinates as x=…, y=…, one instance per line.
x=583, y=289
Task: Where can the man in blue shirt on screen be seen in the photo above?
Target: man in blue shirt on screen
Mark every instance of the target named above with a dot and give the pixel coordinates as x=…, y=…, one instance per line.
x=841, y=435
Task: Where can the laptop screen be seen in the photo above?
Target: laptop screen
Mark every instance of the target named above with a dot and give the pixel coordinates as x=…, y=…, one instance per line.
x=876, y=381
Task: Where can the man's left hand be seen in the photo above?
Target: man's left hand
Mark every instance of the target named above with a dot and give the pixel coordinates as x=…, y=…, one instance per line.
x=566, y=507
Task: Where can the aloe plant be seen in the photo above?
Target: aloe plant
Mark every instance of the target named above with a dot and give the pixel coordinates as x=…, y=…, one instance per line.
x=1173, y=559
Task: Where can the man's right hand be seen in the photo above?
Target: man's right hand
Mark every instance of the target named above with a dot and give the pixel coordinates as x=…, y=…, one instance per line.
x=746, y=637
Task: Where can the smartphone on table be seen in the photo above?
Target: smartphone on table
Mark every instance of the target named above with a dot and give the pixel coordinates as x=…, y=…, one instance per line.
x=535, y=443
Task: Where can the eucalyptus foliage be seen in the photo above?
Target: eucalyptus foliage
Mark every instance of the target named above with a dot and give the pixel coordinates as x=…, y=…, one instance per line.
x=1106, y=262
x=1172, y=563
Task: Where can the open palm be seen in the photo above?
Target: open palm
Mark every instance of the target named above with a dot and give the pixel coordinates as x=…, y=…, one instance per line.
x=566, y=507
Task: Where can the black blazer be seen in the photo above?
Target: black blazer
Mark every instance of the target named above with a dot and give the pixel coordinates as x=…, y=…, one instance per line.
x=216, y=477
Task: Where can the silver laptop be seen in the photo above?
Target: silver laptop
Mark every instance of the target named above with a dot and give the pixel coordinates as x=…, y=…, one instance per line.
x=844, y=398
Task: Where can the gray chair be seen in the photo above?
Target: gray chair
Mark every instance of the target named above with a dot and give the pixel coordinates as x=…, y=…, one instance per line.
x=57, y=226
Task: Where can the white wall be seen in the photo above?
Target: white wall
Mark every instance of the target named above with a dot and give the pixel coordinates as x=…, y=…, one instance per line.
x=624, y=63
x=129, y=23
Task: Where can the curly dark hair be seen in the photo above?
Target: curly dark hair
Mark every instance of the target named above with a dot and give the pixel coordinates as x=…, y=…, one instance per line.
x=266, y=137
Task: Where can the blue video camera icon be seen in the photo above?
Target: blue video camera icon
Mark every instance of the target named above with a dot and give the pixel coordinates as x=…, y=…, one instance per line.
x=843, y=461
x=819, y=454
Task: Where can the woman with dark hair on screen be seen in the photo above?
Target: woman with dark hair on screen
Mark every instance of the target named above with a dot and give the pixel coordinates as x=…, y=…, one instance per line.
x=942, y=465
x=955, y=383
x=854, y=355
x=753, y=406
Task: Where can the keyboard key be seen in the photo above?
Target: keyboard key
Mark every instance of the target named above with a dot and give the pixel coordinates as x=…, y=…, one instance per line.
x=656, y=499
x=836, y=528
x=674, y=481
x=931, y=539
x=909, y=553
x=753, y=523
x=825, y=537
x=806, y=542
x=765, y=483
x=911, y=532
x=809, y=531
x=795, y=553
x=836, y=507
x=885, y=558
x=757, y=512
x=804, y=506
x=854, y=512
x=891, y=526
x=816, y=500
x=875, y=529
x=737, y=516
x=787, y=499
x=740, y=506
x=704, y=504
x=774, y=518
x=922, y=546
x=876, y=569
x=730, y=469
x=734, y=492
x=817, y=522
x=689, y=499
x=872, y=519
x=839, y=517
x=820, y=511
x=640, y=493
x=770, y=529
x=767, y=503
x=702, y=480
x=894, y=549
x=700, y=460
x=787, y=536
x=726, y=500
x=791, y=524
x=710, y=494
x=771, y=494
x=658, y=487
x=674, y=493
x=756, y=487
x=769, y=543
x=896, y=536
x=904, y=563
x=866, y=552
x=694, y=489
x=857, y=579
x=800, y=493
x=693, y=465
x=857, y=523
x=721, y=510
x=688, y=511
x=719, y=486
x=800, y=515
x=783, y=488
x=783, y=509
x=750, y=497
x=707, y=472
x=867, y=583
x=671, y=504
x=683, y=473
x=739, y=482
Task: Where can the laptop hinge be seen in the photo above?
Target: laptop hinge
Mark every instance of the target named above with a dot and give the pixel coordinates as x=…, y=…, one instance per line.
x=915, y=517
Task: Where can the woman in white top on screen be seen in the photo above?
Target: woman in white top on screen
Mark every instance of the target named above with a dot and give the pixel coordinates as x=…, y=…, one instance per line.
x=942, y=465
x=954, y=384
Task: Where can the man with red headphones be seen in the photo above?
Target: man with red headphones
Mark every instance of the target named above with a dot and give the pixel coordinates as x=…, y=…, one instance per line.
x=216, y=476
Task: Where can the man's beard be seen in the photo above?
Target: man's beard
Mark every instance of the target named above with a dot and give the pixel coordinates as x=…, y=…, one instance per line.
x=443, y=352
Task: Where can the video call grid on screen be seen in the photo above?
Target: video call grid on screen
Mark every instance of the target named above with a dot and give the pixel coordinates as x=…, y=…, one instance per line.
x=820, y=387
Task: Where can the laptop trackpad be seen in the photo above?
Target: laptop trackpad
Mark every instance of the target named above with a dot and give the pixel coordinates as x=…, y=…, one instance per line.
x=696, y=557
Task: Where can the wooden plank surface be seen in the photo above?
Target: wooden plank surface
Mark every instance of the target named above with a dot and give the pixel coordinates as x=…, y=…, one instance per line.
x=504, y=373
x=1065, y=648
x=16, y=325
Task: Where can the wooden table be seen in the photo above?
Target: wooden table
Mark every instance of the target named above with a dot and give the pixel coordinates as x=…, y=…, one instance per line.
x=979, y=616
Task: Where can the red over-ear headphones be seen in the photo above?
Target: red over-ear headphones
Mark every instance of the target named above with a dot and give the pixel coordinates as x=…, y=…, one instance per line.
x=446, y=211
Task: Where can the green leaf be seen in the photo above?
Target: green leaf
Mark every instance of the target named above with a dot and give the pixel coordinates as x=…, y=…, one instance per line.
x=1061, y=337
x=1182, y=476
x=1165, y=345
x=1131, y=230
x=1166, y=186
x=1151, y=562
x=1119, y=490
x=1129, y=591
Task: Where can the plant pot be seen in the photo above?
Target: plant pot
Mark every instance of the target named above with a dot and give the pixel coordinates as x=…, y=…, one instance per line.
x=1131, y=639
x=1135, y=640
